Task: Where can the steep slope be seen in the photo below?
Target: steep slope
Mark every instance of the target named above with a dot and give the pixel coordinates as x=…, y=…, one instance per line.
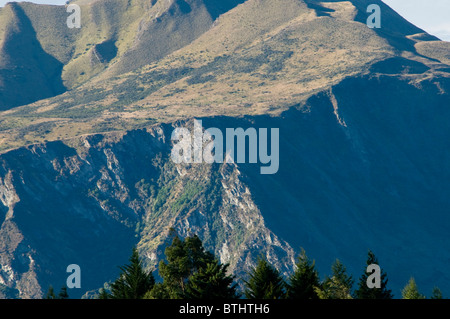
x=280, y=52
x=122, y=33
x=89, y=202
x=358, y=171
x=167, y=31
x=362, y=170
x=24, y=63
x=363, y=140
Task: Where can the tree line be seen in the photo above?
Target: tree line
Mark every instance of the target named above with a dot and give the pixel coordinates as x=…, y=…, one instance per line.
x=190, y=272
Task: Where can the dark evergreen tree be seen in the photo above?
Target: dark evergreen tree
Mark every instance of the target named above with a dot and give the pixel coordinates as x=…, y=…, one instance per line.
x=184, y=259
x=103, y=294
x=436, y=294
x=211, y=282
x=133, y=282
x=265, y=282
x=50, y=293
x=63, y=293
x=364, y=292
x=159, y=291
x=304, y=279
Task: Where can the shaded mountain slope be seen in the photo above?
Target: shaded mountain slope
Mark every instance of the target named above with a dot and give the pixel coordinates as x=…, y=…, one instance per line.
x=365, y=171
x=357, y=171
x=27, y=72
x=363, y=138
x=280, y=52
x=87, y=203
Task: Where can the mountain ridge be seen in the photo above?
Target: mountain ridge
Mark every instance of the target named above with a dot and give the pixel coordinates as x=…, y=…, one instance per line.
x=363, y=156
x=269, y=57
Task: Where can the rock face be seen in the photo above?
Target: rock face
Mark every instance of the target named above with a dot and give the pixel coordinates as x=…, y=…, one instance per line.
x=357, y=172
x=364, y=138
x=89, y=203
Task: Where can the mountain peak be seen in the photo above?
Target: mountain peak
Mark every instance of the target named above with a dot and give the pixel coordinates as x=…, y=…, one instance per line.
x=88, y=114
x=139, y=60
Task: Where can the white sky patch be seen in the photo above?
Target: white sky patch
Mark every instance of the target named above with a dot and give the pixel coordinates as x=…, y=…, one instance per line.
x=56, y=2
x=433, y=16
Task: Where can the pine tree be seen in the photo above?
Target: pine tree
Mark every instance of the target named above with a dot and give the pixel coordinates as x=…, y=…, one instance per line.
x=103, y=294
x=184, y=259
x=340, y=273
x=436, y=294
x=338, y=286
x=133, y=282
x=63, y=293
x=50, y=293
x=304, y=279
x=159, y=291
x=333, y=288
x=211, y=282
x=265, y=282
x=411, y=291
x=364, y=292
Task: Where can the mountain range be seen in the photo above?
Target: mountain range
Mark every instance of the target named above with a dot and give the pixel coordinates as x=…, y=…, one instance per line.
x=87, y=116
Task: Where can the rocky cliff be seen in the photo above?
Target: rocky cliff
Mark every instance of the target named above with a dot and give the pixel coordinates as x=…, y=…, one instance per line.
x=85, y=175
x=357, y=171
x=89, y=201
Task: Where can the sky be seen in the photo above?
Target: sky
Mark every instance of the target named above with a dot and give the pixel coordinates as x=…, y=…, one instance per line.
x=3, y=2
x=432, y=16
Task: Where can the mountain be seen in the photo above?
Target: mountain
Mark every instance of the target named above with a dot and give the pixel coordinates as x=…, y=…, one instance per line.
x=88, y=115
x=136, y=32
x=24, y=63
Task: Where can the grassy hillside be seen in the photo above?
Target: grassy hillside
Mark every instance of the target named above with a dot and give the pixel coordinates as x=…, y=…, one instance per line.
x=124, y=34
x=362, y=115
x=259, y=57
x=136, y=62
